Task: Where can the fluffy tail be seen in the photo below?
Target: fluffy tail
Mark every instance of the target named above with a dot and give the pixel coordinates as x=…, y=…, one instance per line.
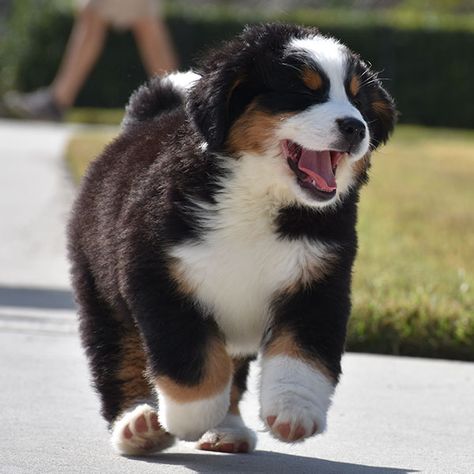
x=159, y=95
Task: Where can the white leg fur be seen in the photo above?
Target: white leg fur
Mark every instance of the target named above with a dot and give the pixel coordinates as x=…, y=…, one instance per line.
x=296, y=394
x=188, y=421
x=231, y=431
x=142, y=441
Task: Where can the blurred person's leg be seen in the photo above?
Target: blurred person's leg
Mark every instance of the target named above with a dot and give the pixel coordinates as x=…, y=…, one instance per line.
x=155, y=46
x=84, y=46
x=143, y=17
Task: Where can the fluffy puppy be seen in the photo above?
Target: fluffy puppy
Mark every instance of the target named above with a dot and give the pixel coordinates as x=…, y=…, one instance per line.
x=220, y=225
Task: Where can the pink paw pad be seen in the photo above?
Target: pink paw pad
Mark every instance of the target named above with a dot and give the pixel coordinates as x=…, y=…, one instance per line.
x=139, y=432
x=289, y=431
x=230, y=436
x=239, y=447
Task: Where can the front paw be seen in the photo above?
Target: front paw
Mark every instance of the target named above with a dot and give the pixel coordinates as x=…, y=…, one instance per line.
x=294, y=398
x=292, y=423
x=190, y=420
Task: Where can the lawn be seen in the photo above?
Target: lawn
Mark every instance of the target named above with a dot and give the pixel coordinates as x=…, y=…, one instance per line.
x=413, y=289
x=414, y=277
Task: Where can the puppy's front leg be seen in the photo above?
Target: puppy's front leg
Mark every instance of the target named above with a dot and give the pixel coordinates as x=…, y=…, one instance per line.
x=295, y=395
x=187, y=410
x=186, y=356
x=300, y=369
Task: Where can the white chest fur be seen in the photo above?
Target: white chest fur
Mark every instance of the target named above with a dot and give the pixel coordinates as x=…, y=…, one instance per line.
x=242, y=263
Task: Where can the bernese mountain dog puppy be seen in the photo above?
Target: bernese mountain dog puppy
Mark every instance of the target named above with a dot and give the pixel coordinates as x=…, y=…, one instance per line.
x=221, y=225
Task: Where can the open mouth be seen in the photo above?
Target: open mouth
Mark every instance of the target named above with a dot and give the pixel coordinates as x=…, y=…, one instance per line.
x=315, y=170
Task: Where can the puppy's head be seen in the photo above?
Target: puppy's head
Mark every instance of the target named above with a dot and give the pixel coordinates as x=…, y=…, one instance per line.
x=299, y=100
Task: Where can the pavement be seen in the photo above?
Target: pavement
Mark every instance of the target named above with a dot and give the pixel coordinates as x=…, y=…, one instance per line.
x=390, y=415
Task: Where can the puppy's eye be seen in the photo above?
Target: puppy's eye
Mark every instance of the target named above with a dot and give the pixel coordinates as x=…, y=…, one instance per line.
x=307, y=92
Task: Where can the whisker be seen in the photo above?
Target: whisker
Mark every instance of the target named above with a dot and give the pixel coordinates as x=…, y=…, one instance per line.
x=367, y=71
x=374, y=80
x=292, y=66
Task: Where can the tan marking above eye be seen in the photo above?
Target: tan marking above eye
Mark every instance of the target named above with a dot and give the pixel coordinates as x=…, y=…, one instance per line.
x=354, y=85
x=312, y=79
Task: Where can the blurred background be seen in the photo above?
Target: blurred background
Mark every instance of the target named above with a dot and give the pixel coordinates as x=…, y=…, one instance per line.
x=414, y=278
x=423, y=47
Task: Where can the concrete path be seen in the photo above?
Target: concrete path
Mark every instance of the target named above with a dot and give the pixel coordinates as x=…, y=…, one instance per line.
x=390, y=415
x=36, y=196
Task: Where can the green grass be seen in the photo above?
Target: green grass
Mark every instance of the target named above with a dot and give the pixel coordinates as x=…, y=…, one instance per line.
x=95, y=116
x=414, y=281
x=413, y=289
x=83, y=147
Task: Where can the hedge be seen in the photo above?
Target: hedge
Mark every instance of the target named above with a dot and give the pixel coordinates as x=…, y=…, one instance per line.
x=427, y=62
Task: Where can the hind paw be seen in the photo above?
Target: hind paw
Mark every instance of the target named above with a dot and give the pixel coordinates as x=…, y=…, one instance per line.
x=230, y=436
x=138, y=432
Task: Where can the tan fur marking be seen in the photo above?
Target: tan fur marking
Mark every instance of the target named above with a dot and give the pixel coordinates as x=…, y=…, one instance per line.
x=236, y=84
x=235, y=392
x=235, y=396
x=354, y=85
x=217, y=373
x=253, y=130
x=178, y=275
x=362, y=165
x=311, y=273
x=381, y=107
x=284, y=344
x=132, y=372
x=312, y=79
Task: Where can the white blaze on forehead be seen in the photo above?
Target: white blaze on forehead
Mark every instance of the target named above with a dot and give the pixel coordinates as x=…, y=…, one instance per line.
x=316, y=127
x=331, y=57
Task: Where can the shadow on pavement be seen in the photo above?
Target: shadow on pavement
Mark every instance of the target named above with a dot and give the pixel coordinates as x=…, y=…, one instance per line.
x=265, y=462
x=40, y=298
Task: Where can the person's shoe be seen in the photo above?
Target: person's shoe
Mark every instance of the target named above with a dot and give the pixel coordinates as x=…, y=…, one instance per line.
x=38, y=105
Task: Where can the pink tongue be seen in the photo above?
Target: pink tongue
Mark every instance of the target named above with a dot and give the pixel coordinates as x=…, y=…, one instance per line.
x=318, y=166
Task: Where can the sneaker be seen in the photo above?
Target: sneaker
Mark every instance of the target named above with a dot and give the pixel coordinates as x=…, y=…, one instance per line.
x=38, y=105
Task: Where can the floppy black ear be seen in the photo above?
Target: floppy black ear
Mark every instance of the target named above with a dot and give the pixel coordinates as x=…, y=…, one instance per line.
x=210, y=102
x=379, y=109
x=232, y=76
x=382, y=114
x=375, y=103
x=223, y=72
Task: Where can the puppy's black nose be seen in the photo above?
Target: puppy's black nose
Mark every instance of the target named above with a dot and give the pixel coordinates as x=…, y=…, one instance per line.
x=352, y=129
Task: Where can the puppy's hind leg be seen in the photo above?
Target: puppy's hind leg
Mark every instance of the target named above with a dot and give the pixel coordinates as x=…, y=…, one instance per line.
x=231, y=435
x=118, y=364
x=137, y=431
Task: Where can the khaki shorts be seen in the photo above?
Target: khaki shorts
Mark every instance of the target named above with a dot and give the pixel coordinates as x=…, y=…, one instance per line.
x=123, y=13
